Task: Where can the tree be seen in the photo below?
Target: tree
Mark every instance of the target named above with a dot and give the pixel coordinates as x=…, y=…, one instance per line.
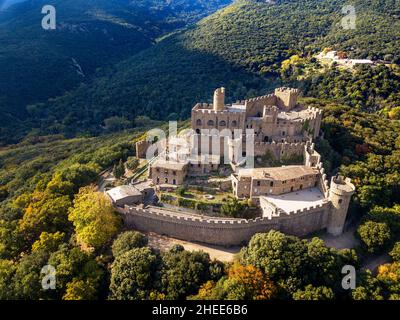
x=367, y=288
x=241, y=283
x=142, y=121
x=395, y=253
x=79, y=289
x=132, y=163
x=59, y=186
x=28, y=278
x=394, y=113
x=293, y=263
x=49, y=242
x=374, y=235
x=80, y=175
x=45, y=213
x=119, y=169
x=7, y=270
x=73, y=266
x=94, y=218
x=276, y=254
x=117, y=123
x=314, y=293
x=135, y=274
x=183, y=272
x=127, y=241
x=324, y=264
x=3, y=193
x=389, y=276
x=233, y=208
x=181, y=191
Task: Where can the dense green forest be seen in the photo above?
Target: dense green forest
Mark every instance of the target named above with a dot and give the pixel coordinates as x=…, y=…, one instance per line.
x=36, y=64
x=241, y=47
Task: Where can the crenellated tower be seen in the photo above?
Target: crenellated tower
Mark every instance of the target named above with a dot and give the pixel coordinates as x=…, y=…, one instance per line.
x=219, y=99
x=340, y=193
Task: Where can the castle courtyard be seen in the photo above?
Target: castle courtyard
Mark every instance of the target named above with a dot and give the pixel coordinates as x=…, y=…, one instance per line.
x=297, y=200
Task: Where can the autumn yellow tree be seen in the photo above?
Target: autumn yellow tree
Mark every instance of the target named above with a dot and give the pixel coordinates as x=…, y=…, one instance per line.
x=48, y=242
x=79, y=289
x=241, y=283
x=389, y=276
x=94, y=218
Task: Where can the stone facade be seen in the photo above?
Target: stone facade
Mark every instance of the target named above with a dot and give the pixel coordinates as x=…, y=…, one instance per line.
x=253, y=183
x=274, y=117
x=226, y=232
x=165, y=172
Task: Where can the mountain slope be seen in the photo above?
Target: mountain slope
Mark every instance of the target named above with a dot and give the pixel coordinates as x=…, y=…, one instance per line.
x=240, y=47
x=36, y=64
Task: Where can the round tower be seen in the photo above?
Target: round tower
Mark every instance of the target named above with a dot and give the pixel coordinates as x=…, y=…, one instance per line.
x=340, y=194
x=219, y=99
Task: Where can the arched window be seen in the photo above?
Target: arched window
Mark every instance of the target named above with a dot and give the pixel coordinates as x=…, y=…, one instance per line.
x=174, y=181
x=198, y=122
x=210, y=123
x=198, y=131
x=166, y=180
x=234, y=123
x=222, y=123
x=301, y=187
x=266, y=139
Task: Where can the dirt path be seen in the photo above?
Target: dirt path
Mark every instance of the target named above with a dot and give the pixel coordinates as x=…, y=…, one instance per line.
x=346, y=240
x=216, y=252
x=374, y=262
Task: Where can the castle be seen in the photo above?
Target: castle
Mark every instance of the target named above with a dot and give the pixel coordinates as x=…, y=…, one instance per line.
x=297, y=198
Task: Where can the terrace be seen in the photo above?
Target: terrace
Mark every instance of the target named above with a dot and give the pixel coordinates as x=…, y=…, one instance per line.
x=297, y=200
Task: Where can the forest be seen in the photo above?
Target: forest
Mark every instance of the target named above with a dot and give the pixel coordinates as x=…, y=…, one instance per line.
x=240, y=47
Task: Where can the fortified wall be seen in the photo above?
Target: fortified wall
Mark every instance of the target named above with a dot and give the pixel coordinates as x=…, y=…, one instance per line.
x=226, y=232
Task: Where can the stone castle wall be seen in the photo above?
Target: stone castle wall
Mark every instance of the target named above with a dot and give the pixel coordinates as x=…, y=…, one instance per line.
x=219, y=231
x=279, y=150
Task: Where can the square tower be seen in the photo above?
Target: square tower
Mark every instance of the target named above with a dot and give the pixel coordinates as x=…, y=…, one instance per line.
x=287, y=98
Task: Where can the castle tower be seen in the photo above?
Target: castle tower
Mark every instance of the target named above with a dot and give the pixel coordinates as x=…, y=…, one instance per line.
x=287, y=98
x=340, y=194
x=219, y=99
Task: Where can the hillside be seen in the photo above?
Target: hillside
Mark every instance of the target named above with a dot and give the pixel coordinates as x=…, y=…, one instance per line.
x=36, y=65
x=39, y=183
x=240, y=47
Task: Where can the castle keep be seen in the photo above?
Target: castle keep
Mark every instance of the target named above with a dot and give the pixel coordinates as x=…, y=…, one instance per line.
x=297, y=198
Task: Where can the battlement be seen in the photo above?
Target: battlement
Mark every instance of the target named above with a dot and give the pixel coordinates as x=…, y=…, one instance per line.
x=183, y=218
x=210, y=111
x=200, y=106
x=342, y=186
x=287, y=89
x=310, y=209
x=260, y=98
x=315, y=110
x=280, y=144
x=324, y=180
